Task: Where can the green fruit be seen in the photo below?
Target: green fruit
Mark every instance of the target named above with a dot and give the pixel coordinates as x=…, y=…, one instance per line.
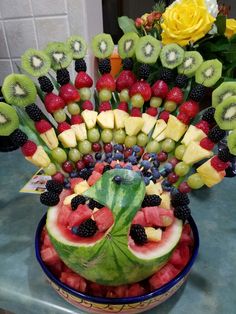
x=225, y=114
x=119, y=136
x=85, y=147
x=195, y=181
x=59, y=54
x=73, y=108
x=209, y=72
x=179, y=151
x=59, y=115
x=59, y=155
x=168, y=145
x=85, y=93
x=147, y=49
x=130, y=140
x=153, y=147
x=181, y=169
x=142, y=139
x=35, y=62
x=155, y=102
x=222, y=92
x=170, y=106
x=137, y=100
x=231, y=141
x=77, y=46
x=191, y=62
x=74, y=154
x=102, y=46
x=106, y=135
x=105, y=95
x=9, y=120
x=93, y=135
x=171, y=56
x=124, y=95
x=127, y=44
x=51, y=169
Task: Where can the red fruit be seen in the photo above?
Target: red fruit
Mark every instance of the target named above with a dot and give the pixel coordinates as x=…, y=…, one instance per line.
x=107, y=148
x=67, y=166
x=104, y=106
x=184, y=187
x=96, y=147
x=172, y=177
x=80, y=165
x=29, y=148
x=142, y=88
x=135, y=290
x=106, y=81
x=83, y=80
x=104, y=218
x=49, y=256
x=160, y=89
x=42, y=126
x=204, y=126
x=128, y=152
x=76, y=119
x=164, y=115
x=218, y=164
x=59, y=177
x=207, y=143
x=88, y=159
x=87, y=104
x=135, y=112
x=125, y=80
x=173, y=161
x=162, y=156
x=74, y=181
x=63, y=126
x=190, y=108
x=141, y=151
x=82, y=213
x=175, y=95
x=69, y=93
x=53, y=102
x=152, y=111
x=123, y=106
x=183, y=117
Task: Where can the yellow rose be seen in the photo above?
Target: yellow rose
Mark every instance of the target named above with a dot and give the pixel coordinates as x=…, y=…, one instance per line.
x=186, y=21
x=144, y=17
x=230, y=27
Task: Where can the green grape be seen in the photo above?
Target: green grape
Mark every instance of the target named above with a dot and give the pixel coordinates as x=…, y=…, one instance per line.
x=195, y=181
x=51, y=169
x=93, y=135
x=73, y=108
x=181, y=169
x=74, y=154
x=85, y=147
x=179, y=151
x=130, y=140
x=106, y=135
x=137, y=100
x=168, y=145
x=155, y=102
x=104, y=95
x=59, y=115
x=59, y=155
x=85, y=93
x=142, y=139
x=119, y=136
x=124, y=95
x=170, y=106
x=153, y=147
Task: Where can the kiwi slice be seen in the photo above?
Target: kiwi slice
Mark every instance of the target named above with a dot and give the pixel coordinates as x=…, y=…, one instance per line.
x=147, y=49
x=209, y=72
x=171, y=56
x=126, y=45
x=231, y=141
x=59, y=54
x=225, y=114
x=9, y=120
x=222, y=92
x=191, y=62
x=35, y=62
x=102, y=46
x=19, y=90
x=78, y=46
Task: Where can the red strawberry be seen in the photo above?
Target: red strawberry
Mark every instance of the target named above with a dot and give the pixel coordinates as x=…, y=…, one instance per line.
x=218, y=164
x=83, y=80
x=53, y=102
x=207, y=143
x=106, y=81
x=164, y=116
x=63, y=126
x=29, y=148
x=135, y=112
x=123, y=106
x=76, y=119
x=125, y=80
x=175, y=95
x=204, y=126
x=104, y=106
x=152, y=111
x=42, y=126
x=160, y=89
x=87, y=104
x=191, y=108
x=69, y=93
x=183, y=117
x=142, y=88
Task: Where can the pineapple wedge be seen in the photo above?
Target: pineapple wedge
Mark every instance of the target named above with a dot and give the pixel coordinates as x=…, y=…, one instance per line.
x=175, y=129
x=67, y=138
x=154, y=188
x=39, y=158
x=149, y=123
x=81, y=187
x=90, y=118
x=161, y=136
x=153, y=234
x=50, y=138
x=120, y=116
x=193, y=134
x=209, y=175
x=80, y=131
x=165, y=200
x=68, y=199
x=133, y=125
x=194, y=153
x=159, y=128
x=106, y=119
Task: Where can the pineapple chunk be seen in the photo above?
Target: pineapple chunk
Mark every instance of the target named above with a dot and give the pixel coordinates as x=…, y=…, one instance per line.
x=68, y=138
x=50, y=138
x=160, y=126
x=39, y=158
x=120, y=116
x=154, y=188
x=133, y=125
x=165, y=200
x=161, y=136
x=194, y=153
x=149, y=123
x=81, y=187
x=106, y=119
x=193, y=134
x=80, y=131
x=68, y=199
x=153, y=234
x=90, y=118
x=209, y=175
x=175, y=129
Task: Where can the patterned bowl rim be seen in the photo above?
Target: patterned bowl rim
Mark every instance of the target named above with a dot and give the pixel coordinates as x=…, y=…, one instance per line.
x=127, y=300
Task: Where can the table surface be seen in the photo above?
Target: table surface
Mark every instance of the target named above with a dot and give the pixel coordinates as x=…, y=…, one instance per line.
x=211, y=287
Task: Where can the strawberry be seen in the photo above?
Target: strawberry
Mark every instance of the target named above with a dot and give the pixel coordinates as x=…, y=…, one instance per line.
x=87, y=104
x=42, y=126
x=191, y=108
x=69, y=93
x=204, y=126
x=183, y=117
x=104, y=106
x=76, y=119
x=106, y=81
x=152, y=111
x=164, y=115
x=175, y=95
x=135, y=112
x=83, y=80
x=53, y=102
x=29, y=148
x=63, y=126
x=123, y=106
x=218, y=164
x=125, y=80
x=160, y=89
x=207, y=143
x=142, y=88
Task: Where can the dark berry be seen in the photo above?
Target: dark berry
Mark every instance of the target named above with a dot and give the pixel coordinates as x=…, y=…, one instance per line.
x=98, y=156
x=76, y=201
x=178, y=199
x=198, y=92
x=127, y=64
x=151, y=200
x=80, y=65
x=216, y=134
x=181, y=80
x=104, y=66
x=182, y=212
x=18, y=137
x=63, y=76
x=209, y=115
x=117, y=179
x=138, y=234
x=34, y=112
x=54, y=186
x=106, y=168
x=86, y=229
x=167, y=75
x=224, y=154
x=144, y=71
x=67, y=184
x=85, y=173
x=74, y=174
x=49, y=198
x=94, y=204
x=45, y=84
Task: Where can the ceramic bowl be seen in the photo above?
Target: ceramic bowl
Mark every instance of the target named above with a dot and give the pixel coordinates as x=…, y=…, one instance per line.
x=127, y=305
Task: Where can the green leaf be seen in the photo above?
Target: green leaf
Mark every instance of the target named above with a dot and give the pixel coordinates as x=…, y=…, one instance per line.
x=126, y=24
x=221, y=24
x=233, y=39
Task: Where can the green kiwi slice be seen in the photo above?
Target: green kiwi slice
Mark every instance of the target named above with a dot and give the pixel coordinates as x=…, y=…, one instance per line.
x=102, y=46
x=171, y=56
x=225, y=114
x=9, y=120
x=126, y=45
x=147, y=49
x=231, y=141
x=78, y=46
x=35, y=62
x=209, y=72
x=19, y=90
x=59, y=54
x=222, y=92
x=191, y=62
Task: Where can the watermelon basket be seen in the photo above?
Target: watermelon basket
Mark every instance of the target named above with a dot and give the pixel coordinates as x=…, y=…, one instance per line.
x=127, y=305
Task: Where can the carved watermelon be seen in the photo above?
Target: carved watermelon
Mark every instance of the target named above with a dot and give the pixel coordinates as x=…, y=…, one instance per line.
x=112, y=258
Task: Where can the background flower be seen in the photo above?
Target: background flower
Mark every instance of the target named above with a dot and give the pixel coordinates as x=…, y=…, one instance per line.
x=230, y=27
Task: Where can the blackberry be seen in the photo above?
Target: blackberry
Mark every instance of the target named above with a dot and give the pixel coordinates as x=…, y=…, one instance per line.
x=224, y=154
x=182, y=212
x=151, y=200
x=63, y=76
x=104, y=66
x=166, y=75
x=209, y=115
x=127, y=64
x=181, y=80
x=178, y=199
x=144, y=71
x=76, y=201
x=49, y=198
x=45, y=84
x=80, y=65
x=34, y=112
x=92, y=204
x=54, y=186
x=86, y=229
x=85, y=173
x=216, y=134
x=98, y=156
x=138, y=234
x=18, y=137
x=106, y=168
x=198, y=92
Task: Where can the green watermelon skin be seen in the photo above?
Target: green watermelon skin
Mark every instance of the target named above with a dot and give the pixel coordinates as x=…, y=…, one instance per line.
x=109, y=261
